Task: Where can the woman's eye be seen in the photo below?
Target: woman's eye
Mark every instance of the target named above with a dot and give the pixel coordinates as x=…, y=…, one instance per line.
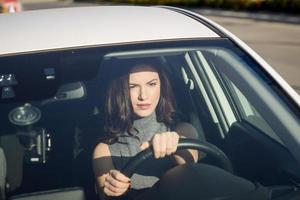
x=152, y=84
x=132, y=86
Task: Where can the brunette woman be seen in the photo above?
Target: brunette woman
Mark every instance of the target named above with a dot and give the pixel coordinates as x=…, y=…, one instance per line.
x=140, y=113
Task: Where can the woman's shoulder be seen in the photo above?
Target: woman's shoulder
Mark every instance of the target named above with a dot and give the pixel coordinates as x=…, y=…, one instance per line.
x=101, y=150
x=186, y=129
x=183, y=124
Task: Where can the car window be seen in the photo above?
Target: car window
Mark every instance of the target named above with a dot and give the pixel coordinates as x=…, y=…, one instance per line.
x=248, y=112
x=233, y=102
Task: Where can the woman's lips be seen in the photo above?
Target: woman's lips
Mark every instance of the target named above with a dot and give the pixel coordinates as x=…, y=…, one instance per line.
x=144, y=106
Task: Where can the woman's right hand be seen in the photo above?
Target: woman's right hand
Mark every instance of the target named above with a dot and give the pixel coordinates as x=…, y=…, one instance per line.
x=116, y=183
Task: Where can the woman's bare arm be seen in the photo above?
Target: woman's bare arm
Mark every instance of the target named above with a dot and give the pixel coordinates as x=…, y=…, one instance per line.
x=102, y=164
x=110, y=182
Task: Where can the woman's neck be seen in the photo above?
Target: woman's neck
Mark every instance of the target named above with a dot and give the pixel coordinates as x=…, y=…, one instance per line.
x=142, y=122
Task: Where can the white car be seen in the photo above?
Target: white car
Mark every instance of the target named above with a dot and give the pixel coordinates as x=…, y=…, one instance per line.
x=52, y=78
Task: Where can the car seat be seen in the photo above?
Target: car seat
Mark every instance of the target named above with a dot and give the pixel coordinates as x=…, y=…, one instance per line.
x=3, y=173
x=13, y=153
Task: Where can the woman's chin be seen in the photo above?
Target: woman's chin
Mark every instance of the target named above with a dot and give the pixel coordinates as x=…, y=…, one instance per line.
x=144, y=113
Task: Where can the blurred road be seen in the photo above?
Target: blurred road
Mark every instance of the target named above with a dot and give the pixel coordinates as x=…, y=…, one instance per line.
x=277, y=42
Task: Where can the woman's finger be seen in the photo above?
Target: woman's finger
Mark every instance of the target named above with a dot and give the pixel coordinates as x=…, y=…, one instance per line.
x=115, y=189
x=175, y=140
x=144, y=145
x=169, y=143
x=116, y=183
x=163, y=144
x=156, y=145
x=119, y=176
x=109, y=192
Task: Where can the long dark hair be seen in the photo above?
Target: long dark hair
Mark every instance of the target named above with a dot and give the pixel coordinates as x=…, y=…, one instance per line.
x=119, y=114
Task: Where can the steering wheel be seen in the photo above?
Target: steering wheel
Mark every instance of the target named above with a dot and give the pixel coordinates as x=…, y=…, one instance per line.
x=184, y=143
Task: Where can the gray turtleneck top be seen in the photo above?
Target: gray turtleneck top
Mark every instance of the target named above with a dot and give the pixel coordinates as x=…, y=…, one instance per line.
x=128, y=145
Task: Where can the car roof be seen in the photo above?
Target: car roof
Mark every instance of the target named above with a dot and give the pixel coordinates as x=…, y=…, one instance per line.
x=99, y=25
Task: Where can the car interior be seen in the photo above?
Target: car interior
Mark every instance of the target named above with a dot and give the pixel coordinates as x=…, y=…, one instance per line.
x=52, y=118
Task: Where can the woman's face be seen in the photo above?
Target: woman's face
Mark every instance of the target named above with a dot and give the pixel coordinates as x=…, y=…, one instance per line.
x=144, y=84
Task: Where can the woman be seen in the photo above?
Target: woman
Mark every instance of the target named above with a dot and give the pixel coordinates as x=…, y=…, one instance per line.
x=139, y=112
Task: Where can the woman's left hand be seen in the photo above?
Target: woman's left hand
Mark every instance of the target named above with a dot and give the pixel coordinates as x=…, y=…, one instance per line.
x=163, y=144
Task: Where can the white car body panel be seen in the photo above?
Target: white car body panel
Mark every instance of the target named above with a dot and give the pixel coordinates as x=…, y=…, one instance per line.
x=101, y=25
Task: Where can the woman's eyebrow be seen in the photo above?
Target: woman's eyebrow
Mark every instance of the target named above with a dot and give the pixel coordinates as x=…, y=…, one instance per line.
x=152, y=80
x=146, y=82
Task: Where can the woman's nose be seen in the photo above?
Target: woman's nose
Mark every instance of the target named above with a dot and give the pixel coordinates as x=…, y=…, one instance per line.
x=143, y=94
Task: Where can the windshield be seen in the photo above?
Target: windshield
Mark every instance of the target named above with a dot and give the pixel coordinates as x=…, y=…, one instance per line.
x=52, y=102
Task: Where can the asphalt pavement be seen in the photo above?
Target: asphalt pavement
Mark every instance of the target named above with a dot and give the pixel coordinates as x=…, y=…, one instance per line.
x=277, y=42
x=276, y=37
x=255, y=15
